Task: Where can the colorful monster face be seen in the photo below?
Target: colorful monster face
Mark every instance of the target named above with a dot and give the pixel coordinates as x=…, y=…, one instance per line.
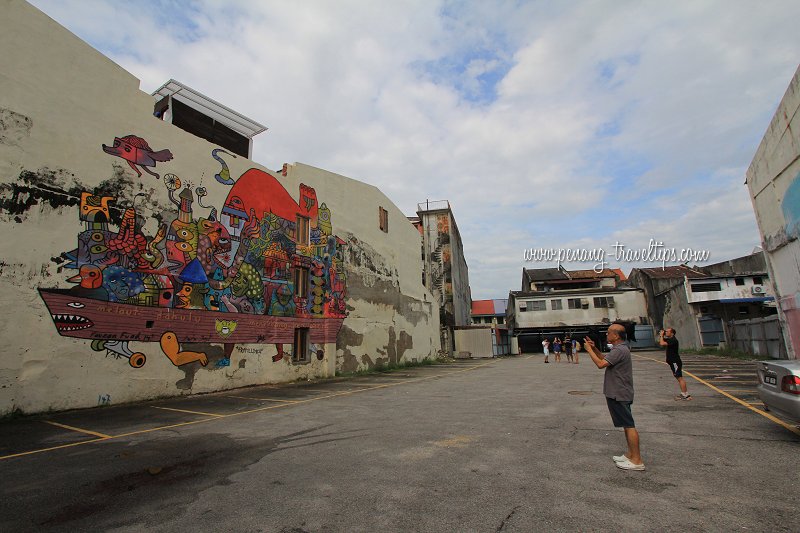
x=121, y=283
x=181, y=243
x=95, y=208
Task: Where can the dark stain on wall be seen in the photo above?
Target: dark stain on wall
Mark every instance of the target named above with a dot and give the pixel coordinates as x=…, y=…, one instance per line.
x=13, y=127
x=348, y=338
x=398, y=347
x=60, y=188
x=214, y=352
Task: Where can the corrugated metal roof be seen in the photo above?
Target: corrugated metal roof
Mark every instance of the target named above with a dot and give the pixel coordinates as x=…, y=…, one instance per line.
x=591, y=274
x=483, y=307
x=544, y=274
x=673, y=272
x=489, y=307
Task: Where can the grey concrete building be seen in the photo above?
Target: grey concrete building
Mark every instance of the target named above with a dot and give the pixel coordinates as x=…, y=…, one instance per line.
x=445, y=270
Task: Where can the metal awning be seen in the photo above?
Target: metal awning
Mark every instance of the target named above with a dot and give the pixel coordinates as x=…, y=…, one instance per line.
x=222, y=114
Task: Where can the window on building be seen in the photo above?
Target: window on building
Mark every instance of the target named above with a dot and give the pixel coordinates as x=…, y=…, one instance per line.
x=383, y=219
x=757, y=280
x=301, y=231
x=301, y=282
x=744, y=310
x=573, y=303
x=706, y=287
x=300, y=352
x=555, y=305
x=523, y=307
x=739, y=281
x=501, y=320
x=538, y=305
x=603, y=302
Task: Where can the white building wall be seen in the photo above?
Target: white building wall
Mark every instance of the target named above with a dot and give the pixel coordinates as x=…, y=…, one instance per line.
x=773, y=180
x=628, y=305
x=728, y=289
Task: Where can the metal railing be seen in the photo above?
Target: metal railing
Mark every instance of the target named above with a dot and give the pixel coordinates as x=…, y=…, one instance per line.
x=431, y=205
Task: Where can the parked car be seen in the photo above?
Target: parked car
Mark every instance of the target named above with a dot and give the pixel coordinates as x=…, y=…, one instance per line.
x=779, y=387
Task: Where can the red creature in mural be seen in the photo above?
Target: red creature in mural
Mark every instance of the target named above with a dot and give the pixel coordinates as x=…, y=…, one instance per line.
x=137, y=153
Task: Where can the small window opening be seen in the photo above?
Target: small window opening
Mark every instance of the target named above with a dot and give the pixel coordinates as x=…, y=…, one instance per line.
x=383, y=219
x=300, y=351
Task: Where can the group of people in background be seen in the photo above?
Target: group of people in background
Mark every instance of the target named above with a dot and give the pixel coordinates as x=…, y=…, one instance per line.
x=569, y=346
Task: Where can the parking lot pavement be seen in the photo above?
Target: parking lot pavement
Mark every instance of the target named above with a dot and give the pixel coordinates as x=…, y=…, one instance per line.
x=498, y=445
x=733, y=378
x=40, y=434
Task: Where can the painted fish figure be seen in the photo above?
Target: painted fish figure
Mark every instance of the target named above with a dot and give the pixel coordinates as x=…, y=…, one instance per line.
x=137, y=152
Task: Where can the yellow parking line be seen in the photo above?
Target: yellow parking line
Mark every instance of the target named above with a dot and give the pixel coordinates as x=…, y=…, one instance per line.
x=79, y=430
x=734, y=398
x=214, y=417
x=261, y=399
x=184, y=411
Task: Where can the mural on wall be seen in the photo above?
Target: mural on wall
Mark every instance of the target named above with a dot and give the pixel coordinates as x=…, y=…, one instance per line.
x=790, y=206
x=442, y=273
x=254, y=272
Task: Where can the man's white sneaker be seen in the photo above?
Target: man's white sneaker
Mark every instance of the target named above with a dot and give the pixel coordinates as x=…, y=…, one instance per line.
x=627, y=465
x=620, y=458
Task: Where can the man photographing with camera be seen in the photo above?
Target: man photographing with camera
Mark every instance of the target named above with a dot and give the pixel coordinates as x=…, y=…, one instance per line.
x=667, y=338
x=618, y=390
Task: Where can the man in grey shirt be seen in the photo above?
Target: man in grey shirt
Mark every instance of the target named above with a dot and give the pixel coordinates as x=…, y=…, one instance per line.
x=618, y=390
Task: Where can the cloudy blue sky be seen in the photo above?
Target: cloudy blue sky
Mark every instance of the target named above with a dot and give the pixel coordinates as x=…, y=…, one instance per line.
x=545, y=124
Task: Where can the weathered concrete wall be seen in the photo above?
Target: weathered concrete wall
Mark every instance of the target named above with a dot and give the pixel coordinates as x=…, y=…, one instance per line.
x=60, y=102
x=391, y=315
x=680, y=315
x=475, y=341
x=773, y=181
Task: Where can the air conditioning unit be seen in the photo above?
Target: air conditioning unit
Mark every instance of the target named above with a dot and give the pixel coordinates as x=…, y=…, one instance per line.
x=758, y=289
x=611, y=304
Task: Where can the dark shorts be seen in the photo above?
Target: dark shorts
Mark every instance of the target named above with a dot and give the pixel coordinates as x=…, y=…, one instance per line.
x=677, y=368
x=620, y=413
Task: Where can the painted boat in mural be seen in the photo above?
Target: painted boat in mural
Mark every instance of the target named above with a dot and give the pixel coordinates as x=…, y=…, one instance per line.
x=114, y=324
x=85, y=318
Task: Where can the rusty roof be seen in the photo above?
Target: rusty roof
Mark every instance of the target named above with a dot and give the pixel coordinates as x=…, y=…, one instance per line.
x=591, y=274
x=673, y=272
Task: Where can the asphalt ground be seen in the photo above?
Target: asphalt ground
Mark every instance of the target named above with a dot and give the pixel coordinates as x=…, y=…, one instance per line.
x=507, y=444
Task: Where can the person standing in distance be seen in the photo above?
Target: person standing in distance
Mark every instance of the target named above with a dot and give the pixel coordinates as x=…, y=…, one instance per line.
x=546, y=348
x=667, y=339
x=618, y=390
